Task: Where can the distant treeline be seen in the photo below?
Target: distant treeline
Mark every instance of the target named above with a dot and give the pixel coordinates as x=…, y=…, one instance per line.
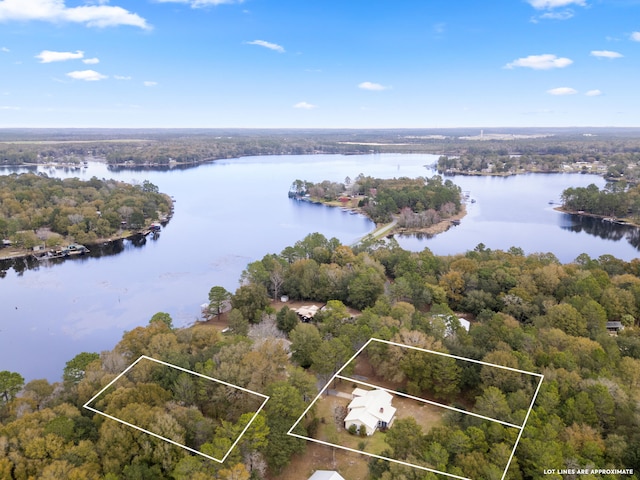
x=616, y=151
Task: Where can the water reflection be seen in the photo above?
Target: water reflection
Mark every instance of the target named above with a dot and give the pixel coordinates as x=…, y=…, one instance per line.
x=605, y=229
x=106, y=249
x=233, y=212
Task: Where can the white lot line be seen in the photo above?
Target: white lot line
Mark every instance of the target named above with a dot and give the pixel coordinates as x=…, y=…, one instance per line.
x=266, y=398
x=436, y=353
x=290, y=432
x=521, y=427
x=424, y=400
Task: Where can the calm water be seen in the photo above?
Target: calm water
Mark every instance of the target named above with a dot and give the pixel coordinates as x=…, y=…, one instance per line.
x=230, y=213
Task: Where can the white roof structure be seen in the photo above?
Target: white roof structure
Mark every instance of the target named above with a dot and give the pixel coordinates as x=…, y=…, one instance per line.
x=359, y=392
x=326, y=475
x=307, y=311
x=371, y=408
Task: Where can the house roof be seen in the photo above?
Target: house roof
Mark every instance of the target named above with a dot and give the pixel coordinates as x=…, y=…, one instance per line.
x=307, y=310
x=326, y=475
x=359, y=392
x=372, y=407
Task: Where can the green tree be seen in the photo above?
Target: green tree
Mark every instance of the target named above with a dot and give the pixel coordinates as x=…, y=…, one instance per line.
x=286, y=319
x=283, y=409
x=10, y=384
x=237, y=323
x=405, y=438
x=75, y=368
x=162, y=317
x=38, y=390
x=366, y=287
x=305, y=340
x=251, y=300
x=218, y=296
x=329, y=357
x=493, y=403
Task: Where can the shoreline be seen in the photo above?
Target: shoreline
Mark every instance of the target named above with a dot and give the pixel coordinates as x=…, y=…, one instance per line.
x=12, y=253
x=391, y=228
x=440, y=227
x=18, y=254
x=618, y=221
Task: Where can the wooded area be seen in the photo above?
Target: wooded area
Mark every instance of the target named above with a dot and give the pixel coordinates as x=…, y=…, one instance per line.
x=528, y=312
x=416, y=202
x=610, y=152
x=36, y=209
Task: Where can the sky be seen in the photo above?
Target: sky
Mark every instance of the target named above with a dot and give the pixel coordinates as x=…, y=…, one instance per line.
x=319, y=64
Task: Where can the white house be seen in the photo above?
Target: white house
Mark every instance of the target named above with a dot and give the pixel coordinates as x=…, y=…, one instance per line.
x=326, y=475
x=370, y=409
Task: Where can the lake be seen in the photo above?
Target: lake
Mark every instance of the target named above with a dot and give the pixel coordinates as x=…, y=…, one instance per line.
x=231, y=212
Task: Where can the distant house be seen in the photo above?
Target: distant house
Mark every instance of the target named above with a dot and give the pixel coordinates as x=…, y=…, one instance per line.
x=326, y=475
x=614, y=327
x=370, y=409
x=307, y=312
x=451, y=323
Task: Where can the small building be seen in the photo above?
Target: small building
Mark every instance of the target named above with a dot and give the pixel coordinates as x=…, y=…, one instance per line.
x=307, y=312
x=326, y=475
x=371, y=410
x=614, y=327
x=451, y=323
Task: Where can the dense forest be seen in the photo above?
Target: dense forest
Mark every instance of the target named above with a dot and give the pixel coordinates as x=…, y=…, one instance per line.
x=611, y=152
x=416, y=202
x=36, y=209
x=528, y=312
x=616, y=200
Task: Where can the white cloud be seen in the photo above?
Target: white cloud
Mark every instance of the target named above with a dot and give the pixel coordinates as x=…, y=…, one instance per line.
x=305, y=106
x=149, y=83
x=562, y=91
x=549, y=4
x=91, y=61
x=564, y=15
x=635, y=36
x=56, y=11
x=593, y=93
x=374, y=87
x=606, y=54
x=203, y=3
x=5, y=49
x=121, y=77
x=269, y=45
x=87, y=75
x=540, y=62
x=6, y=107
x=48, y=56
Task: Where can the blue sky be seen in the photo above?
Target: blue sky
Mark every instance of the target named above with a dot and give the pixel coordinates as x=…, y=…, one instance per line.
x=319, y=64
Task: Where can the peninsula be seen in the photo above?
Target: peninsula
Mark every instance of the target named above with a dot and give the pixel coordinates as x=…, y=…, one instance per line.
x=41, y=214
x=399, y=205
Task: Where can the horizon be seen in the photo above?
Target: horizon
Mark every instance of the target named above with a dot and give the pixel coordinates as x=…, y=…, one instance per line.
x=283, y=64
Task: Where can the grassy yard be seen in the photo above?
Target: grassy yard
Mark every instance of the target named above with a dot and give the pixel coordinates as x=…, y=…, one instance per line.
x=331, y=432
